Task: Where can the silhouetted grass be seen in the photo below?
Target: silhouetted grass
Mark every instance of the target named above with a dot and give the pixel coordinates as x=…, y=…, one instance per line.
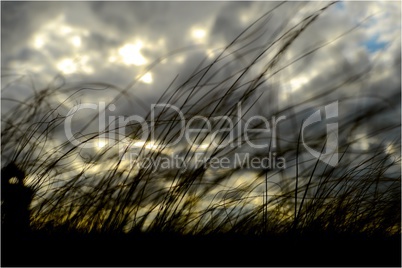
x=106, y=205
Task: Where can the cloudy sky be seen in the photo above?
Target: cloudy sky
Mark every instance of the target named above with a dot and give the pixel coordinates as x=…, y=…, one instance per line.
x=155, y=43
x=115, y=42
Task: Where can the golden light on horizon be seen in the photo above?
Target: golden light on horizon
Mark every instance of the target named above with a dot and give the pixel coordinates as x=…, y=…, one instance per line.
x=101, y=144
x=361, y=142
x=390, y=149
x=148, y=145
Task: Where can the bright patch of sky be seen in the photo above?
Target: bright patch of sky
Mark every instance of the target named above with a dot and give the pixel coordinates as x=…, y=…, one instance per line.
x=131, y=54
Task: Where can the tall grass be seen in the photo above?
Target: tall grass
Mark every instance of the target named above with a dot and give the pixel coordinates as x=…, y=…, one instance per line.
x=103, y=190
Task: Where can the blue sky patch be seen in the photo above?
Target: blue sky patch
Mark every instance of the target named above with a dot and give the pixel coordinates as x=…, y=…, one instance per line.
x=340, y=5
x=373, y=44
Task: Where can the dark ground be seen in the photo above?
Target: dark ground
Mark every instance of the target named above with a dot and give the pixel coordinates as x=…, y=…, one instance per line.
x=73, y=249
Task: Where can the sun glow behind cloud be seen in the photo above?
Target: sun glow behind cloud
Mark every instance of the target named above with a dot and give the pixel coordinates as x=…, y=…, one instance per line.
x=147, y=78
x=67, y=66
x=76, y=41
x=79, y=64
x=131, y=54
x=298, y=83
x=39, y=41
x=199, y=34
